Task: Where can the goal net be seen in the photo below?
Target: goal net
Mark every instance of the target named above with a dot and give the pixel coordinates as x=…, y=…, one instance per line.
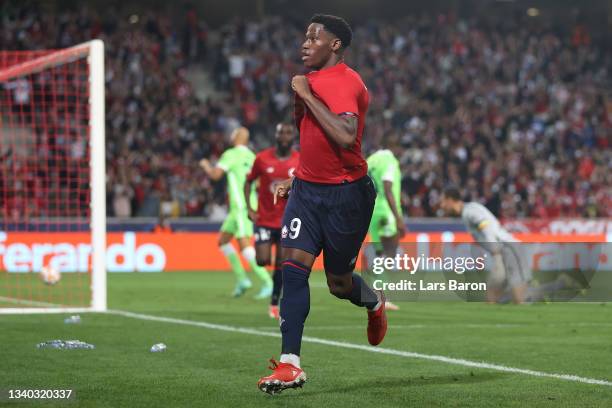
x=52, y=180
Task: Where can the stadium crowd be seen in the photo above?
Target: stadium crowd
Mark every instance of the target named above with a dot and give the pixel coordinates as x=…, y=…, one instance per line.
x=515, y=113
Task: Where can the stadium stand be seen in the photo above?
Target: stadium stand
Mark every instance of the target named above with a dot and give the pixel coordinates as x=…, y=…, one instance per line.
x=516, y=113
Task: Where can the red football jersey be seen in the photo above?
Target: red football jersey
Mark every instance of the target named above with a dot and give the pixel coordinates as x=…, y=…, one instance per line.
x=321, y=159
x=270, y=170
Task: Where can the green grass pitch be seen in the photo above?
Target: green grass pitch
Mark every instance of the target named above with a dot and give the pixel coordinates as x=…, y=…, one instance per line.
x=212, y=368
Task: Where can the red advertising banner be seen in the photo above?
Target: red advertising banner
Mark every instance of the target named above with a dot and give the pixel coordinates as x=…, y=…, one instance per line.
x=168, y=252
x=567, y=226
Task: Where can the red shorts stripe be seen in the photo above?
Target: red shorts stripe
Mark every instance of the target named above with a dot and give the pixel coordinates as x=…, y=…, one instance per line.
x=301, y=267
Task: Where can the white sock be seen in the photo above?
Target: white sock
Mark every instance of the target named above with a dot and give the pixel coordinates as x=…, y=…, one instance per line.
x=227, y=249
x=249, y=253
x=291, y=359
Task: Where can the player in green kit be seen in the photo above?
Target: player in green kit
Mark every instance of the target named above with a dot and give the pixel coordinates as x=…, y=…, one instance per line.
x=235, y=163
x=387, y=224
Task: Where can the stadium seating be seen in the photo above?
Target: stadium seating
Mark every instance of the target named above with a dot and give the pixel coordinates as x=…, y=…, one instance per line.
x=514, y=113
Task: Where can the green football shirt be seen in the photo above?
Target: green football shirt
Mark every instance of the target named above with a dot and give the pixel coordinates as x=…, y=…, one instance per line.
x=383, y=166
x=236, y=162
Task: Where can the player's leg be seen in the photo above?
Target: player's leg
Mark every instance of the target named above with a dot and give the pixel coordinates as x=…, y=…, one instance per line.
x=374, y=231
x=565, y=287
x=225, y=237
x=301, y=242
x=346, y=221
x=243, y=235
x=518, y=293
x=389, y=239
x=517, y=271
x=295, y=303
x=383, y=233
x=277, y=275
x=295, y=306
x=263, y=245
x=264, y=239
x=496, y=280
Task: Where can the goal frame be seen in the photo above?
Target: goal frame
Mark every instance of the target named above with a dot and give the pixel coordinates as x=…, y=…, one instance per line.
x=94, y=52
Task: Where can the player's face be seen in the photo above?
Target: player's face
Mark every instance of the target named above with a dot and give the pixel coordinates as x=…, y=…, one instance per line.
x=284, y=138
x=448, y=206
x=318, y=46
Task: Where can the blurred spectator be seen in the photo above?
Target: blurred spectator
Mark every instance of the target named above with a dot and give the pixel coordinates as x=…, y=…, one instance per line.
x=169, y=207
x=122, y=205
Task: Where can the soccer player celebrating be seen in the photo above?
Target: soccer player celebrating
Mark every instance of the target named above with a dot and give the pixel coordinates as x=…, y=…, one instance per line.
x=387, y=225
x=271, y=166
x=508, y=268
x=236, y=163
x=332, y=198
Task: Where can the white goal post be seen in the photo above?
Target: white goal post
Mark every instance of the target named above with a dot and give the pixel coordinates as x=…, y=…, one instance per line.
x=89, y=56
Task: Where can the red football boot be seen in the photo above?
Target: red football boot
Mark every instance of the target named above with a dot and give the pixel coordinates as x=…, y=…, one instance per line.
x=285, y=376
x=377, y=323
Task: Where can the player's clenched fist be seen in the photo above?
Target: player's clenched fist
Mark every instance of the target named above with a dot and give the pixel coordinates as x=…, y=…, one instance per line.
x=300, y=86
x=282, y=189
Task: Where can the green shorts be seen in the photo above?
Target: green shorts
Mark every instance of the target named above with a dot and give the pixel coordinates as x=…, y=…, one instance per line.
x=382, y=225
x=238, y=224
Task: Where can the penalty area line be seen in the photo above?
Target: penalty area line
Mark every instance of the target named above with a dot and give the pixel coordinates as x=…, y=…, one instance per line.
x=371, y=349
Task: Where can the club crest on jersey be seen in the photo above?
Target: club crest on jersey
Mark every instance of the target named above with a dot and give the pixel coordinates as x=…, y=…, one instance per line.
x=284, y=232
x=270, y=170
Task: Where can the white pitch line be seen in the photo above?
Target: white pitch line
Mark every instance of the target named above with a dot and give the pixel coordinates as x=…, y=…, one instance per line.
x=353, y=327
x=38, y=307
x=26, y=302
x=381, y=350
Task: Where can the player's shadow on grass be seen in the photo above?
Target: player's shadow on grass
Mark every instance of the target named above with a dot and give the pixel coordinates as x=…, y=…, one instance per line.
x=398, y=382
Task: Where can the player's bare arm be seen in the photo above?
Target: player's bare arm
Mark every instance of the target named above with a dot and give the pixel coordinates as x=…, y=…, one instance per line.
x=247, y=194
x=341, y=129
x=214, y=173
x=401, y=228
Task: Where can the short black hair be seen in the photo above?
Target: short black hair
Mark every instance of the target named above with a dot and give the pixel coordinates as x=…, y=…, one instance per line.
x=335, y=25
x=453, y=193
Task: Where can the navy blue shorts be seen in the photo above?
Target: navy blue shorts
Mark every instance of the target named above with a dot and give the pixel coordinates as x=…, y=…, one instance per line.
x=333, y=218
